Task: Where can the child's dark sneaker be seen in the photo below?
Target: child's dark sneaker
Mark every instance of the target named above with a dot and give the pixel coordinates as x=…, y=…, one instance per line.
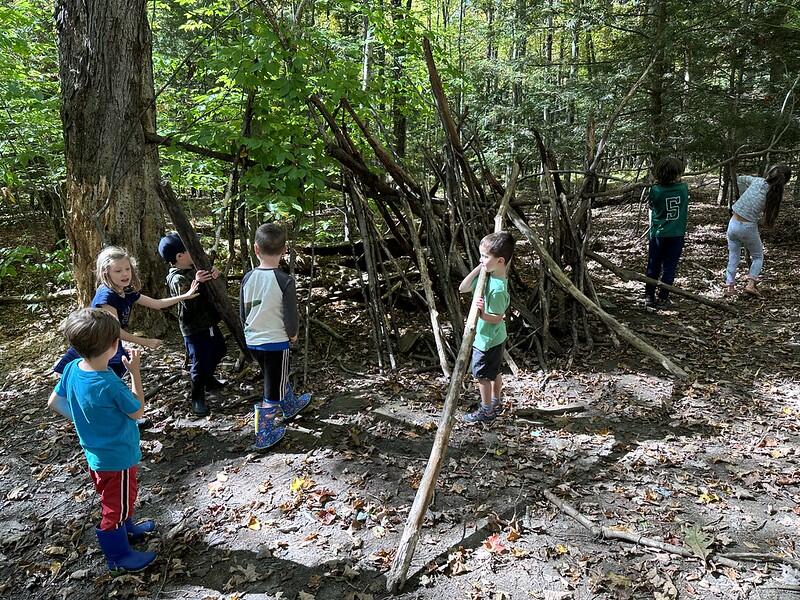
x=484, y=414
x=664, y=302
x=198, y=398
x=291, y=404
x=649, y=301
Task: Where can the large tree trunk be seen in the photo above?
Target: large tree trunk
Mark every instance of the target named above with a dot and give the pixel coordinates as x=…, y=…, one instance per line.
x=107, y=108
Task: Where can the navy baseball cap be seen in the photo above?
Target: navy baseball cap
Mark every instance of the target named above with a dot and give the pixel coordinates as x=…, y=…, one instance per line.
x=170, y=246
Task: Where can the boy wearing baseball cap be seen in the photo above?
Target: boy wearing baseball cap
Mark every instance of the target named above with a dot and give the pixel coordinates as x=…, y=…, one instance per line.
x=198, y=320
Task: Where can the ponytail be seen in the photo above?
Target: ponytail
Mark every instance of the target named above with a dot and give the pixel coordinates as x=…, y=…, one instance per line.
x=776, y=177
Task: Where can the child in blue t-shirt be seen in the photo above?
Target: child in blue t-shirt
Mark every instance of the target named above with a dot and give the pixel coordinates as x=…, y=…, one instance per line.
x=116, y=294
x=104, y=412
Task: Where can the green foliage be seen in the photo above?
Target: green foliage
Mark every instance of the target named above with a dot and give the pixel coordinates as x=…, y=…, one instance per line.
x=19, y=261
x=508, y=67
x=12, y=259
x=31, y=142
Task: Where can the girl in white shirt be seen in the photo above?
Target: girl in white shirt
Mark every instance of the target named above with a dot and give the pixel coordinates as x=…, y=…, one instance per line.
x=760, y=195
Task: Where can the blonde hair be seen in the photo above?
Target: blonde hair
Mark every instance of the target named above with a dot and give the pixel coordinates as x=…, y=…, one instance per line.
x=106, y=258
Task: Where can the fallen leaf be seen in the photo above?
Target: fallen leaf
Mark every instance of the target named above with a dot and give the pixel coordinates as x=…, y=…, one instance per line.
x=79, y=574
x=326, y=516
x=456, y=564
x=378, y=531
x=55, y=550
x=494, y=544
x=457, y=488
x=301, y=483
x=696, y=539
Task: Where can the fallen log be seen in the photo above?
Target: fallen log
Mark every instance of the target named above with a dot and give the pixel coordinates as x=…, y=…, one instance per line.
x=627, y=275
x=59, y=296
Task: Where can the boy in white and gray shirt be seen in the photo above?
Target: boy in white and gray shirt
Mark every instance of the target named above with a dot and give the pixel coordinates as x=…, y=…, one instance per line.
x=268, y=308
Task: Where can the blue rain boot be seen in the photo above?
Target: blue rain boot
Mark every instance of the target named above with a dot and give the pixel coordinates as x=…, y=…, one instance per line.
x=267, y=433
x=138, y=531
x=291, y=404
x=119, y=556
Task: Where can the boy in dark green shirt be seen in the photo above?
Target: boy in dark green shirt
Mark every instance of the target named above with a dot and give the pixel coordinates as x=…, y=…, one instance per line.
x=198, y=320
x=490, y=332
x=669, y=204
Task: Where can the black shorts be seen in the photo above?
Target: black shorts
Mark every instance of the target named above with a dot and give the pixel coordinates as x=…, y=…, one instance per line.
x=486, y=363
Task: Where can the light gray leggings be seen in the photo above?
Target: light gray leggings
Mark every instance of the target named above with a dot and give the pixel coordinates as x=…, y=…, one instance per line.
x=745, y=235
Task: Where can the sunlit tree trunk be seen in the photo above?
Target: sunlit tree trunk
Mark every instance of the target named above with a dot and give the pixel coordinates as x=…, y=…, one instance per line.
x=107, y=107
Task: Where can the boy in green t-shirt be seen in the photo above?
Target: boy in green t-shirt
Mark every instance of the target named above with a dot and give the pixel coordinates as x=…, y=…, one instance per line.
x=490, y=333
x=669, y=203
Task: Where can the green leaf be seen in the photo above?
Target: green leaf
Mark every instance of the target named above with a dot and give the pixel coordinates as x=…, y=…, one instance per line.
x=698, y=541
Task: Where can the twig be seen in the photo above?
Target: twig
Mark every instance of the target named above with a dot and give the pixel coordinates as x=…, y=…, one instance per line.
x=551, y=411
x=157, y=388
x=761, y=557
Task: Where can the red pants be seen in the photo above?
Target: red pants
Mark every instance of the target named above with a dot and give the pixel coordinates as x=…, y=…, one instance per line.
x=117, y=491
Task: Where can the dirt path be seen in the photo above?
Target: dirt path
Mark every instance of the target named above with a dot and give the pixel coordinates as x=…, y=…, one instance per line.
x=712, y=462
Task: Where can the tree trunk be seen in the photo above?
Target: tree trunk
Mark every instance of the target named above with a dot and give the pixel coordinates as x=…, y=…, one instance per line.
x=399, y=120
x=107, y=109
x=658, y=16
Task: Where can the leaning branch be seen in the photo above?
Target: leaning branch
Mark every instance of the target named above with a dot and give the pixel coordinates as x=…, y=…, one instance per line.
x=215, y=287
x=563, y=280
x=408, y=541
x=601, y=146
x=169, y=141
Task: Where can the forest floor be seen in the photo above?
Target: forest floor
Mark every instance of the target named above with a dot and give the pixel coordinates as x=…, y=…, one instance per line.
x=712, y=464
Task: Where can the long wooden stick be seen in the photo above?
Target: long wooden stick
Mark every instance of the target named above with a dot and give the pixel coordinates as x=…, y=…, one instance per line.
x=215, y=287
x=430, y=298
x=408, y=541
x=627, y=275
x=564, y=281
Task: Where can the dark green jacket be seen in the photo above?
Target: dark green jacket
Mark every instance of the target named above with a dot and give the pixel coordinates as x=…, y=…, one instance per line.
x=197, y=314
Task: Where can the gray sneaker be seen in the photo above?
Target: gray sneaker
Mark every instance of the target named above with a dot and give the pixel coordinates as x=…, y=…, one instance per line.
x=497, y=407
x=484, y=414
